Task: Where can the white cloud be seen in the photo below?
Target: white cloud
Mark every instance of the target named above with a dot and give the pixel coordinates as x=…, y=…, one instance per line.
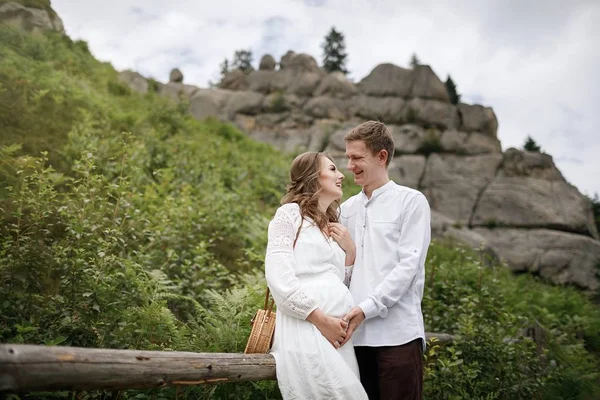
x=535, y=62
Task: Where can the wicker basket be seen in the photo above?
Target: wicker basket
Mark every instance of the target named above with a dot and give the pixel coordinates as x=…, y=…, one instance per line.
x=263, y=329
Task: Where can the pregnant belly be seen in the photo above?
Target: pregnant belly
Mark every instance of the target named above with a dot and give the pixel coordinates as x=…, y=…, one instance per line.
x=332, y=296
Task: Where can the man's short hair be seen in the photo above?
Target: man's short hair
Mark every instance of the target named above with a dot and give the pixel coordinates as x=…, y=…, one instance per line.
x=376, y=136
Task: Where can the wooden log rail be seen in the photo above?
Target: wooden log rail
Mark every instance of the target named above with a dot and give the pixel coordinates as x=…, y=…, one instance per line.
x=30, y=368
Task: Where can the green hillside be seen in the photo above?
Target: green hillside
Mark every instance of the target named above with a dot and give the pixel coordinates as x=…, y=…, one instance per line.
x=125, y=223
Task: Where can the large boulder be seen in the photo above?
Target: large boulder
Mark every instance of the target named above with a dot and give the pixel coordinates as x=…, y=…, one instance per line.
x=243, y=103
x=284, y=63
x=534, y=203
x=431, y=113
x=259, y=81
x=336, y=85
x=208, y=102
x=267, y=63
x=176, y=76
x=303, y=63
x=407, y=170
x=134, y=80
x=530, y=192
x=299, y=63
x=321, y=132
x=478, y=118
x=411, y=138
x=30, y=19
x=303, y=83
x=389, y=110
x=178, y=91
x=279, y=102
x=287, y=140
x=326, y=107
x=337, y=145
x=234, y=80
x=387, y=80
x=529, y=164
x=291, y=81
x=453, y=183
x=564, y=258
x=427, y=85
x=392, y=80
x=470, y=143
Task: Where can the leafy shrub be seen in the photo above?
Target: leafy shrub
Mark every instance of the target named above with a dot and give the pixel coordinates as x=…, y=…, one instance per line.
x=278, y=104
x=488, y=309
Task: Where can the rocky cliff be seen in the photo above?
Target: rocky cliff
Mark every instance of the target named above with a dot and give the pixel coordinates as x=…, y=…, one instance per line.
x=514, y=204
x=29, y=18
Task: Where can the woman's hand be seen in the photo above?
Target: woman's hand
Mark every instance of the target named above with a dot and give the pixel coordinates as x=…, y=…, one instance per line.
x=334, y=329
x=341, y=235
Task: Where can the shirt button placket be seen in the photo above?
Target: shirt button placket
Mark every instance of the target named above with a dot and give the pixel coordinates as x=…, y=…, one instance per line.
x=362, y=244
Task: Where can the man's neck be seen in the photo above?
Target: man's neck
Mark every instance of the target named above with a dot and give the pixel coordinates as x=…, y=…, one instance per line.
x=369, y=189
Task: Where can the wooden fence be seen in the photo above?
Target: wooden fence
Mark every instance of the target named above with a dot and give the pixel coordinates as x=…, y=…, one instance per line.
x=30, y=368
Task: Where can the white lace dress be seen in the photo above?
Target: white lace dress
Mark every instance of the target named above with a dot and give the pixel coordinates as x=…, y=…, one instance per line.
x=302, y=278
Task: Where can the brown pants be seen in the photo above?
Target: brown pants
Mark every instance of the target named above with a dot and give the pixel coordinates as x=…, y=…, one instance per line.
x=392, y=372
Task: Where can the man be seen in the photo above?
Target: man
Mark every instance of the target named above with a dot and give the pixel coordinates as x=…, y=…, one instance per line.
x=390, y=225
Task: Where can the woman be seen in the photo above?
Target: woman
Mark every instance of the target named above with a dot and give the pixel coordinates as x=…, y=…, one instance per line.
x=309, y=254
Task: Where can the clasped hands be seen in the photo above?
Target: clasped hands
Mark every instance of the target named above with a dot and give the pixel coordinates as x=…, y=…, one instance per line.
x=338, y=331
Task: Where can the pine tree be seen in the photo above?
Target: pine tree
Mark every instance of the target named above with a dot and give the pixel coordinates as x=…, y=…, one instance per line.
x=531, y=145
x=334, y=52
x=452, y=92
x=224, y=67
x=414, y=60
x=242, y=59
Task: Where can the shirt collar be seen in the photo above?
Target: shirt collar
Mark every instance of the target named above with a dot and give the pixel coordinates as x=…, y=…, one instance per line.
x=378, y=191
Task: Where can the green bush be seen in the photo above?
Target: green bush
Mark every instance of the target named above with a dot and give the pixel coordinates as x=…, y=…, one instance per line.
x=488, y=309
x=278, y=104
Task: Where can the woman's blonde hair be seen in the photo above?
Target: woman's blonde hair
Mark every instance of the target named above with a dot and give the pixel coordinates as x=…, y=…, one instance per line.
x=304, y=189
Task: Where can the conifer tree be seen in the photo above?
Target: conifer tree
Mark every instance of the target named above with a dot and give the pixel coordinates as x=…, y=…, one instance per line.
x=224, y=67
x=414, y=60
x=452, y=92
x=242, y=59
x=531, y=145
x=334, y=52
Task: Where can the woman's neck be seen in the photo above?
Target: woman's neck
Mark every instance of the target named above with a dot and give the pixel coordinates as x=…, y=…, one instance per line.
x=324, y=205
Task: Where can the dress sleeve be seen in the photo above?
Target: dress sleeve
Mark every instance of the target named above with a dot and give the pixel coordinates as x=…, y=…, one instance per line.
x=280, y=264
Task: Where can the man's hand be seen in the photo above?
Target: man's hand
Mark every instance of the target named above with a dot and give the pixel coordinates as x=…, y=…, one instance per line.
x=334, y=329
x=354, y=317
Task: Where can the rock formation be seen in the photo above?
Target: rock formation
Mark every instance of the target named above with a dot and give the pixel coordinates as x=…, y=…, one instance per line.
x=515, y=205
x=30, y=19
x=176, y=76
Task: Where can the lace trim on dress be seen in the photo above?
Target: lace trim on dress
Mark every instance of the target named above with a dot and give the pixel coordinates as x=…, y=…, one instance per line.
x=280, y=261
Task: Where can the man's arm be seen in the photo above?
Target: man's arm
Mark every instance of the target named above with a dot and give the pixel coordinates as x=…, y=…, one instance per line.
x=415, y=236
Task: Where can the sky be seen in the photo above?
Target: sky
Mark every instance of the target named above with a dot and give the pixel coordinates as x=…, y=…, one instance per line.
x=535, y=62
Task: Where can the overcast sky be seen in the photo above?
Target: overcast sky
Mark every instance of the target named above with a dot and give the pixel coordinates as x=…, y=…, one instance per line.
x=536, y=63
